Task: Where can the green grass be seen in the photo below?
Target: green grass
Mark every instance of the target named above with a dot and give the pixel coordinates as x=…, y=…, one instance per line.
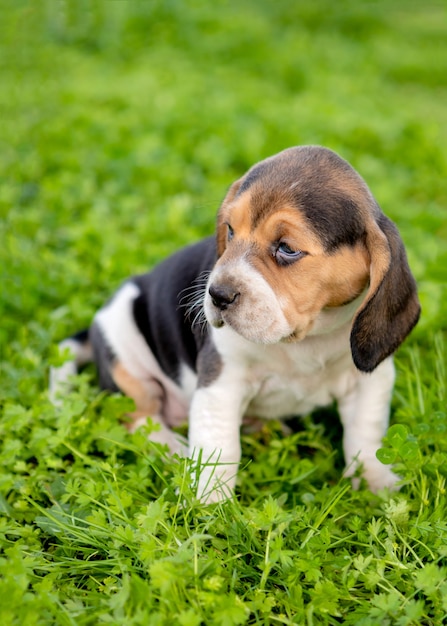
x=122, y=125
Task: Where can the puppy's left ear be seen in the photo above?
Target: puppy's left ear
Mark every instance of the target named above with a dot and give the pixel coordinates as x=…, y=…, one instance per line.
x=391, y=307
x=221, y=232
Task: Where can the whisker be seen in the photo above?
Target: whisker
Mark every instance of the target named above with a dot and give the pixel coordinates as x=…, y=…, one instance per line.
x=191, y=299
x=199, y=318
x=196, y=281
x=197, y=285
x=189, y=296
x=200, y=321
x=196, y=304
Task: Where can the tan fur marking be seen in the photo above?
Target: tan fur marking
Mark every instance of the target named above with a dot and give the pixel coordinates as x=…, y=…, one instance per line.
x=227, y=215
x=221, y=226
x=147, y=394
x=380, y=257
x=289, y=225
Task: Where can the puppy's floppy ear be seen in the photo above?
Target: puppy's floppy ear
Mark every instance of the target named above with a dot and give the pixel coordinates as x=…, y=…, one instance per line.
x=391, y=307
x=221, y=233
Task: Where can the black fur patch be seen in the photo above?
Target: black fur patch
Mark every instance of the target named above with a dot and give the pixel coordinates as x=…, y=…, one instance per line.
x=163, y=322
x=209, y=364
x=333, y=216
x=263, y=169
x=103, y=357
x=81, y=337
x=311, y=179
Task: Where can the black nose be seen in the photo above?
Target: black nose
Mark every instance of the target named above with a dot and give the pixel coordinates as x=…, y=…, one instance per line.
x=222, y=296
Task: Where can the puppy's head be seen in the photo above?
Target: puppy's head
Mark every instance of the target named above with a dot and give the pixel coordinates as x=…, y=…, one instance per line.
x=299, y=237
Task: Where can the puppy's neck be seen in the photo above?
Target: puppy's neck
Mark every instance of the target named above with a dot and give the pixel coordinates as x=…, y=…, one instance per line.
x=333, y=318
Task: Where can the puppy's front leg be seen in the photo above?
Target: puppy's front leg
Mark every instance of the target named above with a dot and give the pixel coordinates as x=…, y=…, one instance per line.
x=365, y=415
x=214, y=439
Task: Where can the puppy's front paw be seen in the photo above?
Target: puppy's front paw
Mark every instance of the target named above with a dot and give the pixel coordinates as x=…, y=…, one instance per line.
x=381, y=476
x=377, y=475
x=215, y=481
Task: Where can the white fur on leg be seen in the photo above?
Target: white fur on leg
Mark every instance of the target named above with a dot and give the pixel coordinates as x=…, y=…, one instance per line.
x=214, y=437
x=365, y=416
x=215, y=480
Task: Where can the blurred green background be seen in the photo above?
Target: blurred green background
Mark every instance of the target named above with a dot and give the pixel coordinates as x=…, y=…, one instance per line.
x=123, y=122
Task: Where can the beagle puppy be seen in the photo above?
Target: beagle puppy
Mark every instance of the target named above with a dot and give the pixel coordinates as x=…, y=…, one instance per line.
x=301, y=299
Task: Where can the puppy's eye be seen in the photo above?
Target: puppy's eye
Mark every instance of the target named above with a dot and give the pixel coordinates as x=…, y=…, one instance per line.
x=230, y=233
x=285, y=255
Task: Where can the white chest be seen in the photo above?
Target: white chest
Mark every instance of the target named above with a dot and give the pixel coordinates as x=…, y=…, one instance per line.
x=291, y=379
x=292, y=393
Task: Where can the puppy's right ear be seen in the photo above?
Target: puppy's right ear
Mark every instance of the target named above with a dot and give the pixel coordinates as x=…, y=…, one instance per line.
x=221, y=229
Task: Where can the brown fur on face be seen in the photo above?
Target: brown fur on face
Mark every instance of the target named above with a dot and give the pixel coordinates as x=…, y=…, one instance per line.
x=313, y=201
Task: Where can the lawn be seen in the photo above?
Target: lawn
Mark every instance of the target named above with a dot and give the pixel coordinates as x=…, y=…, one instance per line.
x=122, y=125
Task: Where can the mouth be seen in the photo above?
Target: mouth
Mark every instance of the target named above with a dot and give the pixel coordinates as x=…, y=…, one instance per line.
x=214, y=317
x=256, y=316
x=217, y=323
x=291, y=338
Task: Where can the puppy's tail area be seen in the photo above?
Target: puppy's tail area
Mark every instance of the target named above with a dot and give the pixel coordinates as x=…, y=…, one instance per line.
x=82, y=353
